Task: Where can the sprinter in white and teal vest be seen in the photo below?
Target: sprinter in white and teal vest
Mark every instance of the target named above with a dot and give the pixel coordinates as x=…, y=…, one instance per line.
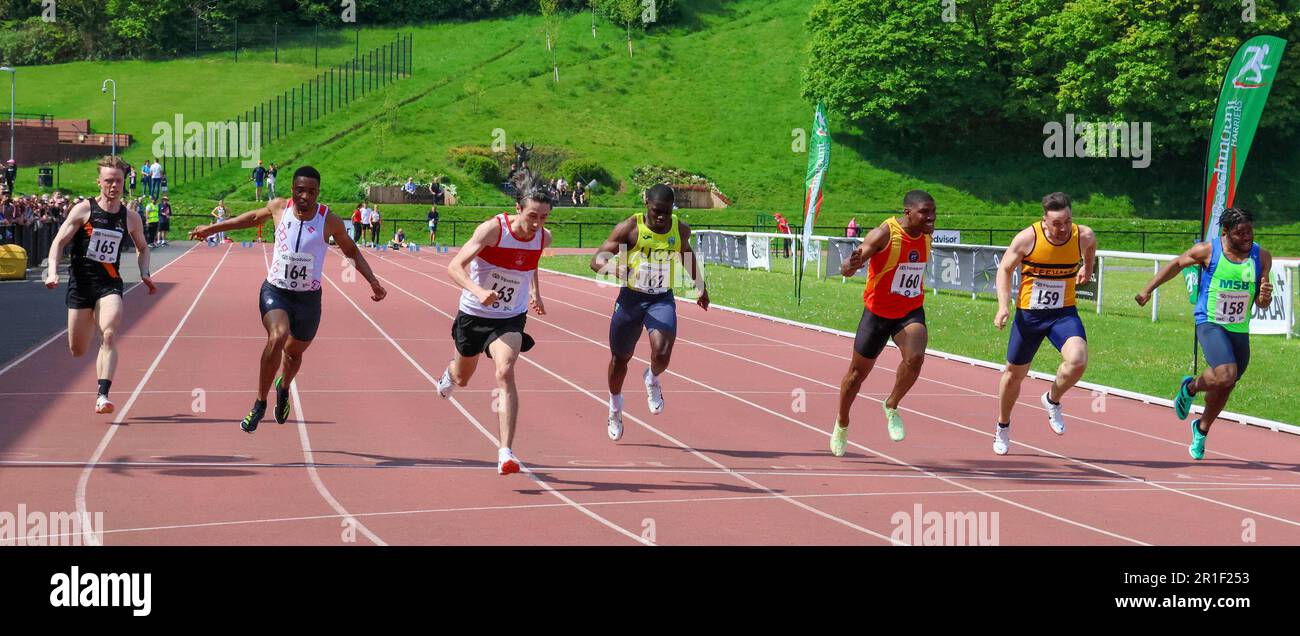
x=1234, y=279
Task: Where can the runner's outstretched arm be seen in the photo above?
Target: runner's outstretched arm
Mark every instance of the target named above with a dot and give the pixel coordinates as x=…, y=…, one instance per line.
x=875, y=241
x=1264, y=296
x=135, y=227
x=487, y=233
x=1199, y=254
x=696, y=272
x=252, y=218
x=613, y=249
x=334, y=228
x=77, y=217
x=535, y=297
x=1020, y=247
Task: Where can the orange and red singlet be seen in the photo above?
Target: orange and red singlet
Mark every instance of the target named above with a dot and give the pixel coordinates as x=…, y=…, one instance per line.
x=896, y=274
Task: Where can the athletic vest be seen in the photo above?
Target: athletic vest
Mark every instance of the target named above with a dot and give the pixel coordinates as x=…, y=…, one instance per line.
x=508, y=268
x=652, y=263
x=98, y=245
x=1227, y=292
x=896, y=274
x=1047, y=275
x=299, y=251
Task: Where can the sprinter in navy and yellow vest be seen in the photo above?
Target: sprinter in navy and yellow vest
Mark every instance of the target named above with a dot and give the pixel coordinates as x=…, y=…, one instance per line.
x=289, y=299
x=96, y=228
x=1054, y=256
x=1234, y=280
x=895, y=254
x=658, y=259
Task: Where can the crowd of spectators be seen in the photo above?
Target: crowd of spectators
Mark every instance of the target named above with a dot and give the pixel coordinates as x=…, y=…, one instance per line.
x=34, y=211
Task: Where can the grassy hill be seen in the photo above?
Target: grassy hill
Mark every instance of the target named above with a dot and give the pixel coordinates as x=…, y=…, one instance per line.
x=717, y=94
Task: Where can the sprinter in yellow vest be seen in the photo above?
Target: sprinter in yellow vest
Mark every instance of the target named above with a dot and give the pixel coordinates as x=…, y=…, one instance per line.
x=648, y=252
x=1054, y=256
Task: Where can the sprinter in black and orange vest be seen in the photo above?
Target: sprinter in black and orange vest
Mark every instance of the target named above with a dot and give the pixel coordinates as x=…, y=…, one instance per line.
x=896, y=253
x=1054, y=256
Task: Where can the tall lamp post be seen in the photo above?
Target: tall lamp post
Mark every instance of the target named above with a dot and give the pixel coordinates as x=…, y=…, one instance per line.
x=104, y=89
x=13, y=80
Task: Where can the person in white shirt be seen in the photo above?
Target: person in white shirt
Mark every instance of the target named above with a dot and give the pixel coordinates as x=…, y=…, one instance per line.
x=156, y=175
x=374, y=226
x=366, y=213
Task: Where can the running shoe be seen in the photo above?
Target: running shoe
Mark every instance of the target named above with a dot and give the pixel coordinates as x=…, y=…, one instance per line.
x=839, y=437
x=282, y=404
x=445, y=385
x=506, y=462
x=1002, y=440
x=895, y=424
x=615, y=428
x=254, y=417
x=1183, y=399
x=1197, y=448
x=103, y=404
x=1053, y=414
x=654, y=394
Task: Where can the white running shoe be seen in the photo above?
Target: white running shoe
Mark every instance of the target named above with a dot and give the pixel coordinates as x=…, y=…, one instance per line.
x=615, y=428
x=506, y=462
x=654, y=394
x=1054, y=415
x=103, y=404
x=445, y=385
x=1002, y=440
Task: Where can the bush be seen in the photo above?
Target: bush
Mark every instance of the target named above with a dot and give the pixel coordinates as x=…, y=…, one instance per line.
x=482, y=169
x=459, y=154
x=584, y=170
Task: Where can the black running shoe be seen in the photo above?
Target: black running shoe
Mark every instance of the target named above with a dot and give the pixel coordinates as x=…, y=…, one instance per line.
x=281, y=402
x=254, y=417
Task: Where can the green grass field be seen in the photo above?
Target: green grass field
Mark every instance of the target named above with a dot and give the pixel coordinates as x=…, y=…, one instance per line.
x=717, y=93
x=1127, y=350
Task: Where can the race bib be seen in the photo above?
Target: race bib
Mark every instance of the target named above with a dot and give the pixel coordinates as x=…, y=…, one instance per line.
x=908, y=279
x=1047, y=294
x=294, y=270
x=654, y=277
x=507, y=288
x=1231, y=308
x=104, y=245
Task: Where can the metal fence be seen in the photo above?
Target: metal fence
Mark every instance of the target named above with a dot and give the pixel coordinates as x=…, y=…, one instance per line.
x=35, y=239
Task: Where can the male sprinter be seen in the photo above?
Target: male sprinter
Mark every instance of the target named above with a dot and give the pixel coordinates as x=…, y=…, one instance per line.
x=95, y=228
x=1234, y=278
x=1048, y=254
x=497, y=273
x=290, y=296
x=895, y=253
x=651, y=247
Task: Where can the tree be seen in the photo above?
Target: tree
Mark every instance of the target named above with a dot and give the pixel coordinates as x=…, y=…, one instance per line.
x=551, y=21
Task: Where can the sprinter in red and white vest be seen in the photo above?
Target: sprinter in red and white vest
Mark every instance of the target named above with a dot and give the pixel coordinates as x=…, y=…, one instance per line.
x=497, y=273
x=291, y=293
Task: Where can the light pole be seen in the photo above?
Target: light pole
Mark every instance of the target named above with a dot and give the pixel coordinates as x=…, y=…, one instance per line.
x=13, y=80
x=104, y=89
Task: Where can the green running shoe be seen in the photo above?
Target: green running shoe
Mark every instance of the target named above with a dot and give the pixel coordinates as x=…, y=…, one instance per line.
x=1197, y=449
x=839, y=437
x=1183, y=399
x=895, y=424
x=255, y=414
x=281, y=402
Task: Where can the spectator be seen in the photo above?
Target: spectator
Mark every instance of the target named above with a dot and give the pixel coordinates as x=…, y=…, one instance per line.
x=270, y=182
x=433, y=223
x=356, y=222
x=130, y=179
x=374, y=226
x=164, y=220
x=439, y=195
x=144, y=177
x=561, y=186
x=399, y=240
x=409, y=187
x=365, y=218
x=156, y=176
x=783, y=226
x=579, y=194
x=151, y=220
x=259, y=180
x=11, y=174
x=852, y=231
x=219, y=215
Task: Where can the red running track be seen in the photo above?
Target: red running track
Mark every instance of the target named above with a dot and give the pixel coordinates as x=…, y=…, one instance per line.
x=373, y=456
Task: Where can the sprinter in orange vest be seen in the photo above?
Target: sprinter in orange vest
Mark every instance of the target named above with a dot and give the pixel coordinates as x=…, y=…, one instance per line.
x=897, y=252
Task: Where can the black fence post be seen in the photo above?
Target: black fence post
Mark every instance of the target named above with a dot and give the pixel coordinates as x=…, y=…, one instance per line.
x=275, y=38
x=317, y=47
